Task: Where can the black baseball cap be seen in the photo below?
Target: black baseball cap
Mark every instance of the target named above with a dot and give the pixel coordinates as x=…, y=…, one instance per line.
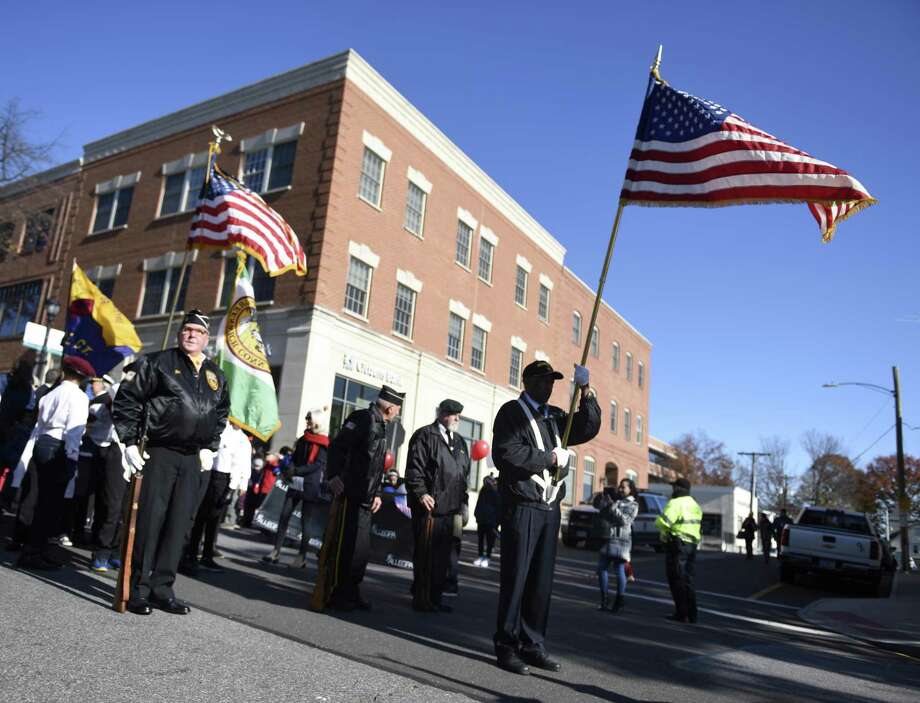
x=541, y=368
x=449, y=406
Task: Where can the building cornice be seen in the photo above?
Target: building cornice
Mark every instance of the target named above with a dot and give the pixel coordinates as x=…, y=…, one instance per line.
x=55, y=173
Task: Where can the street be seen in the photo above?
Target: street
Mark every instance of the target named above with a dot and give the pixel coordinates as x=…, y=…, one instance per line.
x=748, y=646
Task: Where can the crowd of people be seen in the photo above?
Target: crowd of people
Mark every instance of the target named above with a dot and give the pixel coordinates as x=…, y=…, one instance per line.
x=770, y=531
x=78, y=443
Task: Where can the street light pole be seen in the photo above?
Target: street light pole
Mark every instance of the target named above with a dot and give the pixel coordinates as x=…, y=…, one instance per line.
x=52, y=308
x=753, y=456
x=903, y=502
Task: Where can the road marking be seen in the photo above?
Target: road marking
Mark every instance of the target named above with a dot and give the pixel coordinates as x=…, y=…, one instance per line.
x=769, y=589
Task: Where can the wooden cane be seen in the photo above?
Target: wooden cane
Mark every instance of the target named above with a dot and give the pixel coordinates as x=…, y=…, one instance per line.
x=327, y=575
x=123, y=587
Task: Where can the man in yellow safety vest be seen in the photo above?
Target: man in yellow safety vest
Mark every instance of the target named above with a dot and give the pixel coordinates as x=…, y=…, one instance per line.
x=680, y=531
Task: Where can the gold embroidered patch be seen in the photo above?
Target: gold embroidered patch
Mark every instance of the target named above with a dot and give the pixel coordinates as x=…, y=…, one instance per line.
x=178, y=372
x=211, y=378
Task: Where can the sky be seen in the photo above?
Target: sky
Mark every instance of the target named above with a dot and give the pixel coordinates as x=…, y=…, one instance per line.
x=748, y=312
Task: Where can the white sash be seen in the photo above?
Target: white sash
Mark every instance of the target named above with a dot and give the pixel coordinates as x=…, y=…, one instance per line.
x=545, y=480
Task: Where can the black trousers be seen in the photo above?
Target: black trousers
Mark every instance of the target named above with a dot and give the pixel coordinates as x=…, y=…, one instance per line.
x=529, y=540
x=434, y=542
x=88, y=489
x=749, y=547
x=25, y=512
x=207, y=518
x=486, y=535
x=51, y=479
x=169, y=498
x=350, y=558
x=292, y=498
x=766, y=541
x=681, y=569
x=107, y=515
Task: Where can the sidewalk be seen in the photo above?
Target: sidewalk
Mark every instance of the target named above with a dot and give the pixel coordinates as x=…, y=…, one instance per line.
x=62, y=642
x=892, y=623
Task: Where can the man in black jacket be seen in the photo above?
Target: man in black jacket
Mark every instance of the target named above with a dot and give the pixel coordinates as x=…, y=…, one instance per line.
x=354, y=468
x=181, y=399
x=437, y=471
x=527, y=450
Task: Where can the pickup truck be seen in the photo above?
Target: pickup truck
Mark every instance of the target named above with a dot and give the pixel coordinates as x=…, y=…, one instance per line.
x=837, y=542
x=582, y=525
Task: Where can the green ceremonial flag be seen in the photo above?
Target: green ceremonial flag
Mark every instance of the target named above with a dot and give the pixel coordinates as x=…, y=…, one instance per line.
x=241, y=356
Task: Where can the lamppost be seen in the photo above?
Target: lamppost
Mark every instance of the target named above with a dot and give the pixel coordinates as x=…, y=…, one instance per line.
x=52, y=308
x=903, y=501
x=754, y=456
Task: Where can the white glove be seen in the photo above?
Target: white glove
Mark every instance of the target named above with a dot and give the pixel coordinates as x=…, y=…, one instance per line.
x=581, y=375
x=132, y=461
x=206, y=456
x=561, y=456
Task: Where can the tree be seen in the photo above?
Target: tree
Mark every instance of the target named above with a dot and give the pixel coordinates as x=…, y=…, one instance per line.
x=881, y=483
x=831, y=481
x=702, y=460
x=772, y=482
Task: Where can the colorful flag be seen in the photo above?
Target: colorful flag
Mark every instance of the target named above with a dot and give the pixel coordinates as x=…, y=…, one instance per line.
x=241, y=356
x=694, y=152
x=96, y=329
x=229, y=214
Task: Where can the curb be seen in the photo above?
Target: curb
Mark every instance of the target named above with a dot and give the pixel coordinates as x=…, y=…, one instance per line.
x=910, y=648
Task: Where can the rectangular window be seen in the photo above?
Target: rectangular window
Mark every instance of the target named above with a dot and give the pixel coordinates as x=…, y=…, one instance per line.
x=159, y=288
x=520, y=287
x=616, y=357
x=471, y=431
x=641, y=378
x=357, y=287
x=112, y=209
x=576, y=328
x=263, y=285
x=628, y=366
x=514, y=371
x=281, y=172
x=595, y=344
x=269, y=168
x=181, y=191
x=587, y=480
x=543, y=307
x=464, y=237
x=38, y=231
x=455, y=327
x=404, y=311
x=638, y=429
x=486, y=252
x=478, y=349
x=613, y=416
x=627, y=424
x=415, y=209
x=254, y=169
x=370, y=185
x=106, y=286
x=570, y=480
x=348, y=396
x=18, y=305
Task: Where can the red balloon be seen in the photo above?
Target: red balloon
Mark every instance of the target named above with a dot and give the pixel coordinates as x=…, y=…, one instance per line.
x=480, y=450
x=388, y=461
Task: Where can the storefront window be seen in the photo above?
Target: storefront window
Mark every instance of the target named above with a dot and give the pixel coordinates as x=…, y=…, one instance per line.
x=348, y=396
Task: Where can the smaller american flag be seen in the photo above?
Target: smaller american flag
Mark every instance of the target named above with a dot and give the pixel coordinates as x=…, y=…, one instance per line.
x=229, y=214
x=694, y=152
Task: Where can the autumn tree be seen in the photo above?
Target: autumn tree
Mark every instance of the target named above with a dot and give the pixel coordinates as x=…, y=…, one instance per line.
x=831, y=480
x=881, y=484
x=773, y=484
x=702, y=460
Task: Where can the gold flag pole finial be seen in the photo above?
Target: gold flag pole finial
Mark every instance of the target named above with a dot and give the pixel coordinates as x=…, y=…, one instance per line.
x=655, y=66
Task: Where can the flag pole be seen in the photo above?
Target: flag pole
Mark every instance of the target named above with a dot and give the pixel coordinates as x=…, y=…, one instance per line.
x=213, y=151
x=653, y=77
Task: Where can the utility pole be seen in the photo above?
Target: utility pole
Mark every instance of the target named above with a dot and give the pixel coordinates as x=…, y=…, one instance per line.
x=753, y=456
x=903, y=501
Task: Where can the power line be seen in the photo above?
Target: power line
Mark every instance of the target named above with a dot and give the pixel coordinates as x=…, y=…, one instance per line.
x=872, y=445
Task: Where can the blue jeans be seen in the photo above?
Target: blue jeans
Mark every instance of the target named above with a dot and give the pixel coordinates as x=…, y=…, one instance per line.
x=603, y=563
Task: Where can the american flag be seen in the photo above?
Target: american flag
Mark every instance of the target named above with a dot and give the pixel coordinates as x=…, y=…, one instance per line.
x=694, y=152
x=229, y=214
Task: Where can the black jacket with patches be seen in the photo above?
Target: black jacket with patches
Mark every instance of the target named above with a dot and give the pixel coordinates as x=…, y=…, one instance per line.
x=356, y=455
x=186, y=409
x=434, y=469
x=517, y=456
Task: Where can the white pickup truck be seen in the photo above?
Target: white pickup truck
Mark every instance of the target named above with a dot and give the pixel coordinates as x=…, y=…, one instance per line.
x=837, y=542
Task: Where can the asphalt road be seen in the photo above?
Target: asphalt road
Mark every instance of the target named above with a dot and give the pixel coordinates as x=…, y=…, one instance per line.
x=748, y=646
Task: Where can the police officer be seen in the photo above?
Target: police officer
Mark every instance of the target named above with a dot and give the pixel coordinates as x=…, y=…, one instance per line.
x=354, y=468
x=679, y=526
x=527, y=450
x=180, y=398
x=437, y=471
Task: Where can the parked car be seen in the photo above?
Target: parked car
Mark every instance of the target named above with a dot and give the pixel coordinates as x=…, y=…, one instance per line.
x=836, y=542
x=583, y=526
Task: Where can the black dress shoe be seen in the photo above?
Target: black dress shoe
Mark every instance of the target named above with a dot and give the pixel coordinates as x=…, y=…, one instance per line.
x=541, y=660
x=362, y=604
x=676, y=618
x=140, y=607
x=172, y=605
x=36, y=562
x=514, y=664
x=441, y=608
x=211, y=565
x=342, y=605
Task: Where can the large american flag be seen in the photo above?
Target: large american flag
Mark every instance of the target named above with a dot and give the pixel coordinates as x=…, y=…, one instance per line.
x=229, y=214
x=694, y=152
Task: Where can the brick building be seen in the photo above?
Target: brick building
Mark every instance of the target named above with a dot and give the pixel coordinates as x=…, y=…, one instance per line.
x=424, y=273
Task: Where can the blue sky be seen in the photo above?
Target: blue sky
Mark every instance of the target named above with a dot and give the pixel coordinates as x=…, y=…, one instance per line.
x=748, y=312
